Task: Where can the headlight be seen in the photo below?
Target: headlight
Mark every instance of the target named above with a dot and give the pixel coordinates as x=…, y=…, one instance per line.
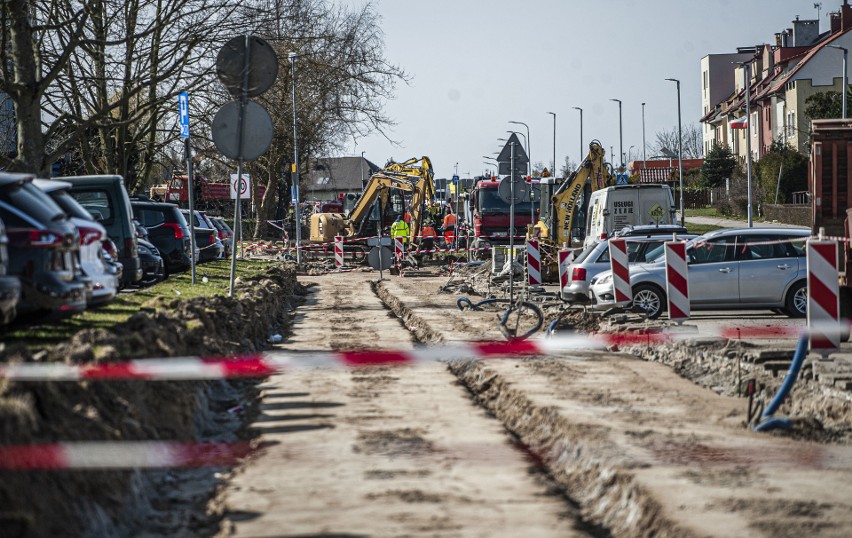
x=144, y=250
x=606, y=279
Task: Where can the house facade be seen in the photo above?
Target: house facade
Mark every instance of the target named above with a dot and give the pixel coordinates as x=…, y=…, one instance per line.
x=330, y=177
x=781, y=76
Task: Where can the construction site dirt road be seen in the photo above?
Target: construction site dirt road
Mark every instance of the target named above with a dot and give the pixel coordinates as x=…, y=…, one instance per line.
x=582, y=443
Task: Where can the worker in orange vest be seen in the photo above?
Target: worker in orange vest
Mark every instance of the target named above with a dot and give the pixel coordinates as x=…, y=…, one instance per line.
x=429, y=234
x=449, y=227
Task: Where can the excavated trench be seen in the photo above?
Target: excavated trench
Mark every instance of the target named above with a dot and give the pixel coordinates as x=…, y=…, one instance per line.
x=608, y=501
x=576, y=457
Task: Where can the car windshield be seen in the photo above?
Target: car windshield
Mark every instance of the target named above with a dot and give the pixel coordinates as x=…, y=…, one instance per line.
x=70, y=205
x=490, y=203
x=586, y=253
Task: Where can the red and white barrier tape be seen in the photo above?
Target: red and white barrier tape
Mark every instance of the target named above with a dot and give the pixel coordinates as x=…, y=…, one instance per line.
x=260, y=365
x=91, y=455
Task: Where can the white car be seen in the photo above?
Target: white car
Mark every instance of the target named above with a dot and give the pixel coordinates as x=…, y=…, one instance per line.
x=734, y=269
x=105, y=280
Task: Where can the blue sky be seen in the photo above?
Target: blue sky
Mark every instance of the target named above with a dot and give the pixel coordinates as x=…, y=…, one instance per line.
x=477, y=64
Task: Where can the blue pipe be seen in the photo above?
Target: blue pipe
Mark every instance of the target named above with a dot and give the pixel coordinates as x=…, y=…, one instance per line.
x=551, y=326
x=470, y=304
x=769, y=422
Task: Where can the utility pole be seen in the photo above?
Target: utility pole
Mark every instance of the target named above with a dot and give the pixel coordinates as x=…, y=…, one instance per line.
x=680, y=154
x=295, y=170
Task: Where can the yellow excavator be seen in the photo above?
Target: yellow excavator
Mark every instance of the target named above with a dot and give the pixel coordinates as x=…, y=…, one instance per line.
x=561, y=204
x=413, y=176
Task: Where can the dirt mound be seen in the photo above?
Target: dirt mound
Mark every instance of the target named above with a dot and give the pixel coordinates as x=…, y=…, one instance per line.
x=120, y=503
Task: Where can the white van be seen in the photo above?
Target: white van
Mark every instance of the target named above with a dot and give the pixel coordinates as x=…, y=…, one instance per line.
x=613, y=208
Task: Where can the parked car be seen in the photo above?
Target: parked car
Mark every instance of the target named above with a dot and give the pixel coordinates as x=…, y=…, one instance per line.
x=594, y=259
x=167, y=231
x=105, y=197
x=10, y=286
x=105, y=285
x=43, y=247
x=206, y=237
x=153, y=268
x=742, y=268
x=110, y=253
x=226, y=235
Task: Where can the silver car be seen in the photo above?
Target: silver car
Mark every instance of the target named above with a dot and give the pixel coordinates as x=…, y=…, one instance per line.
x=594, y=259
x=743, y=268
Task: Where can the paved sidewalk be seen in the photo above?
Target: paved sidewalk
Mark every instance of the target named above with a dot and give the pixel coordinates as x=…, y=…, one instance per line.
x=733, y=223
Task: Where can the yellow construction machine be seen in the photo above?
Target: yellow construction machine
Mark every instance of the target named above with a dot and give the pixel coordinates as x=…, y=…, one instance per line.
x=412, y=178
x=561, y=205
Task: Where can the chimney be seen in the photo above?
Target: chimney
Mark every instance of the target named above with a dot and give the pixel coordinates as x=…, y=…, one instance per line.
x=845, y=16
x=805, y=33
x=835, y=22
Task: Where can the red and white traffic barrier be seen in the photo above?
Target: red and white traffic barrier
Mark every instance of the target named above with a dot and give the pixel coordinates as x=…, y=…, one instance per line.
x=564, y=262
x=398, y=249
x=620, y=272
x=338, y=251
x=91, y=455
x=533, y=263
x=823, y=294
x=677, y=281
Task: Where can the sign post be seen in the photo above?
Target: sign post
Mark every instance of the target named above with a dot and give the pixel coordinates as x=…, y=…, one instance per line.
x=183, y=119
x=247, y=66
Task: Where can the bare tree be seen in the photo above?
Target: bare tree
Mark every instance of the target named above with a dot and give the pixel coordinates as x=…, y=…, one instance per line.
x=342, y=83
x=99, y=77
x=667, y=141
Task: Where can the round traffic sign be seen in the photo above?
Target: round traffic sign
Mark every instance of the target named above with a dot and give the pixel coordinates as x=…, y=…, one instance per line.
x=263, y=65
x=521, y=188
x=257, y=130
x=243, y=187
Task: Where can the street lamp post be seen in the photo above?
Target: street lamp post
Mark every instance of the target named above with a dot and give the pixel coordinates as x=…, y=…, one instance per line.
x=643, y=135
x=529, y=144
x=295, y=170
x=747, y=67
x=553, y=170
x=680, y=154
x=581, y=133
x=620, y=133
x=845, y=76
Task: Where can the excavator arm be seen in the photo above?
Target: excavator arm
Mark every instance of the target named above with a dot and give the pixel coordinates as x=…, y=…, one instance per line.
x=563, y=201
x=413, y=175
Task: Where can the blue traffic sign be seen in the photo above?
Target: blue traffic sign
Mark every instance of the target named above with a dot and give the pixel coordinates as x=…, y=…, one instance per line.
x=455, y=179
x=183, y=114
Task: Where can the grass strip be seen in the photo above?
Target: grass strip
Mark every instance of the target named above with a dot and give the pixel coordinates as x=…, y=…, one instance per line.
x=38, y=335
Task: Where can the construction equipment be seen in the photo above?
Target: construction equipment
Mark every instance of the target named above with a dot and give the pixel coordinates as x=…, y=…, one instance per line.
x=413, y=177
x=560, y=203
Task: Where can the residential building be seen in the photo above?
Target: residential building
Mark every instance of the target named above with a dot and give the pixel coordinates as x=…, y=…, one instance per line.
x=717, y=84
x=329, y=178
x=798, y=65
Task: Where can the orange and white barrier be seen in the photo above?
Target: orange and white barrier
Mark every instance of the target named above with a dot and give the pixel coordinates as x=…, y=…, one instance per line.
x=677, y=281
x=823, y=294
x=620, y=271
x=533, y=263
x=338, y=251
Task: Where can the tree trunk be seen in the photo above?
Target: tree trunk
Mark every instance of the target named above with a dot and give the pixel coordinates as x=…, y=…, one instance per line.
x=26, y=87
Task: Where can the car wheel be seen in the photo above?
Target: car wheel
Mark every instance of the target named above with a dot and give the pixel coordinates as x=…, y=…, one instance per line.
x=649, y=299
x=797, y=300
